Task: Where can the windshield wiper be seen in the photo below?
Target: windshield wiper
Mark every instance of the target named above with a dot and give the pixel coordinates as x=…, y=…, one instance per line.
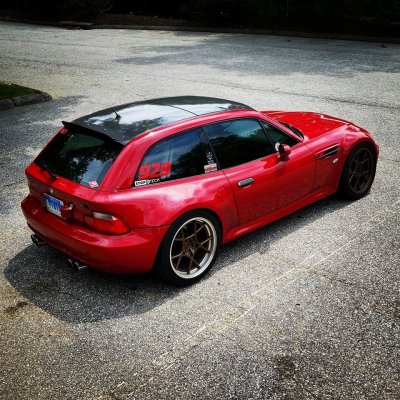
x=44, y=166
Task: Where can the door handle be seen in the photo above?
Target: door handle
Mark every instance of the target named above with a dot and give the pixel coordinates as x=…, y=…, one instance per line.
x=245, y=182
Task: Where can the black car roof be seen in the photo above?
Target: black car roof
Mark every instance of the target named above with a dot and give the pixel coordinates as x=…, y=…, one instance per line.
x=125, y=122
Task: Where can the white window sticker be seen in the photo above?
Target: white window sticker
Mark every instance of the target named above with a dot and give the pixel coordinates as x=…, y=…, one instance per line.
x=210, y=168
x=141, y=183
x=93, y=184
x=210, y=157
x=146, y=182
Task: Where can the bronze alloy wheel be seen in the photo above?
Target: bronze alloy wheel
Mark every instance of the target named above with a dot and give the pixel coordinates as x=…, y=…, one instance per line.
x=358, y=172
x=361, y=170
x=193, y=248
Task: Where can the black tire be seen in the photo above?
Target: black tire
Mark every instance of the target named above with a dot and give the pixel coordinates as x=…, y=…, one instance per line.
x=358, y=172
x=189, y=249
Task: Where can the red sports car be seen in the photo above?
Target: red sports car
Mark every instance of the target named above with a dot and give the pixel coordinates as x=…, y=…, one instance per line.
x=161, y=184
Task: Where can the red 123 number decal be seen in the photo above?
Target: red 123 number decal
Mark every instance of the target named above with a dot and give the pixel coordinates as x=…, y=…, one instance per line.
x=154, y=170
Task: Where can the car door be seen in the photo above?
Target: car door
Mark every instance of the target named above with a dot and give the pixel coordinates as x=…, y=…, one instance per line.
x=260, y=181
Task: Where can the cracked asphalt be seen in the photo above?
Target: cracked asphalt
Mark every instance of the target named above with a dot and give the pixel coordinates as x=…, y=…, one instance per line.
x=305, y=308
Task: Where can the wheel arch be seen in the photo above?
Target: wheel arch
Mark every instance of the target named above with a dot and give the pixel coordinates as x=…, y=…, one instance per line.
x=349, y=148
x=205, y=209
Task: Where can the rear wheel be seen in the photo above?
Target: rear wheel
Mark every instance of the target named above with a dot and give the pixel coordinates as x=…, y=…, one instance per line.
x=189, y=248
x=358, y=172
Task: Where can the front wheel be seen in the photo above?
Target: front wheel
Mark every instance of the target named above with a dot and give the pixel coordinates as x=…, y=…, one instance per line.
x=189, y=248
x=358, y=172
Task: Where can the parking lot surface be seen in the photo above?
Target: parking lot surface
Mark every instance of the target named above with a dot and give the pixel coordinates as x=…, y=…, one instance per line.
x=305, y=308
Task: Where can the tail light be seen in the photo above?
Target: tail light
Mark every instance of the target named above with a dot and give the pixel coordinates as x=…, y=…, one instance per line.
x=106, y=223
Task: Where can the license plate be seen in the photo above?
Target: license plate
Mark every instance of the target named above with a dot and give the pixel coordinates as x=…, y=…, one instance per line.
x=53, y=205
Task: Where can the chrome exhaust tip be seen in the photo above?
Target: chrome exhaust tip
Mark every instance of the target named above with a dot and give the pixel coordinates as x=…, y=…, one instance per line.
x=38, y=240
x=79, y=266
x=76, y=265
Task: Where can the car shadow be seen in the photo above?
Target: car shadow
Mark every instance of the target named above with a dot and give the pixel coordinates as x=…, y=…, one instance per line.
x=41, y=275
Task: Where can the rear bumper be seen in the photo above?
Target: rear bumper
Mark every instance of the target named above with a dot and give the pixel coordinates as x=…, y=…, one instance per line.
x=133, y=252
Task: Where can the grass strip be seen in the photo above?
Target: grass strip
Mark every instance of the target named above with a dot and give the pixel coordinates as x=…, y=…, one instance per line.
x=8, y=90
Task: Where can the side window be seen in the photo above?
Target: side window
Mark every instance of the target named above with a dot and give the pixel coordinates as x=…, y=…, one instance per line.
x=179, y=156
x=238, y=141
x=277, y=136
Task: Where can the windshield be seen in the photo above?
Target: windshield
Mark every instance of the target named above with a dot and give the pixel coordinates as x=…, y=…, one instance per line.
x=80, y=157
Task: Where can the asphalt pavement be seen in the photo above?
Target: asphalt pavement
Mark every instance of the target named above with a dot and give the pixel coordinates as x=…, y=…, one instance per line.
x=305, y=308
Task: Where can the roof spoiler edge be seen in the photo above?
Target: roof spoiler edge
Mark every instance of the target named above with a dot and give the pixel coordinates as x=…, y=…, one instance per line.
x=89, y=129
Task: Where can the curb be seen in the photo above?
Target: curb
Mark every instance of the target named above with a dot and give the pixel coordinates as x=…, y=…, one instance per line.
x=83, y=25
x=272, y=32
x=26, y=21
x=25, y=100
x=331, y=36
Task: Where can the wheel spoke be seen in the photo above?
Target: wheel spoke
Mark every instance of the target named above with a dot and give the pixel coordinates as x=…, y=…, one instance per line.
x=205, y=241
x=190, y=236
x=180, y=239
x=201, y=245
x=351, y=179
x=179, y=261
x=366, y=174
x=356, y=183
x=201, y=227
x=192, y=261
x=204, y=248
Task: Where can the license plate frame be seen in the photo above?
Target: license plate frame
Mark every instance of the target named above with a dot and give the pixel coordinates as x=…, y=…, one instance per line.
x=53, y=205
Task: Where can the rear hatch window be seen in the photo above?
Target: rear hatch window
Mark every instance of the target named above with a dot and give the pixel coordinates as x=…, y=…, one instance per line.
x=80, y=157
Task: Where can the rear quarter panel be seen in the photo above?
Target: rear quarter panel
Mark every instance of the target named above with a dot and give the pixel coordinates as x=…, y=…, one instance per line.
x=161, y=204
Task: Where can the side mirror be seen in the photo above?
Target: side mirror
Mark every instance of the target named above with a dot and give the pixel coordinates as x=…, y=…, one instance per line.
x=284, y=152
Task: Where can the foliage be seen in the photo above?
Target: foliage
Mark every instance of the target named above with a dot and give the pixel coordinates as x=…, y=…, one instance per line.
x=357, y=11
x=245, y=10
x=81, y=7
x=86, y=6
x=380, y=11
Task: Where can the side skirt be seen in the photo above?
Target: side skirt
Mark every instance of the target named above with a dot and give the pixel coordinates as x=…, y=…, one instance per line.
x=241, y=230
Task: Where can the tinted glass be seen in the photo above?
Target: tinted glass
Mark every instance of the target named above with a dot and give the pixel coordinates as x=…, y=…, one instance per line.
x=80, y=158
x=136, y=118
x=238, y=141
x=179, y=156
x=202, y=105
x=277, y=136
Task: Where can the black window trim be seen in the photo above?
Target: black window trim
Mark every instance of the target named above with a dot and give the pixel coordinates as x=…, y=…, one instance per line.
x=277, y=124
x=279, y=129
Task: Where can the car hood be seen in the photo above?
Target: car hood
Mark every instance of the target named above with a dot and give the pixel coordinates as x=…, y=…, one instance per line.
x=310, y=124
